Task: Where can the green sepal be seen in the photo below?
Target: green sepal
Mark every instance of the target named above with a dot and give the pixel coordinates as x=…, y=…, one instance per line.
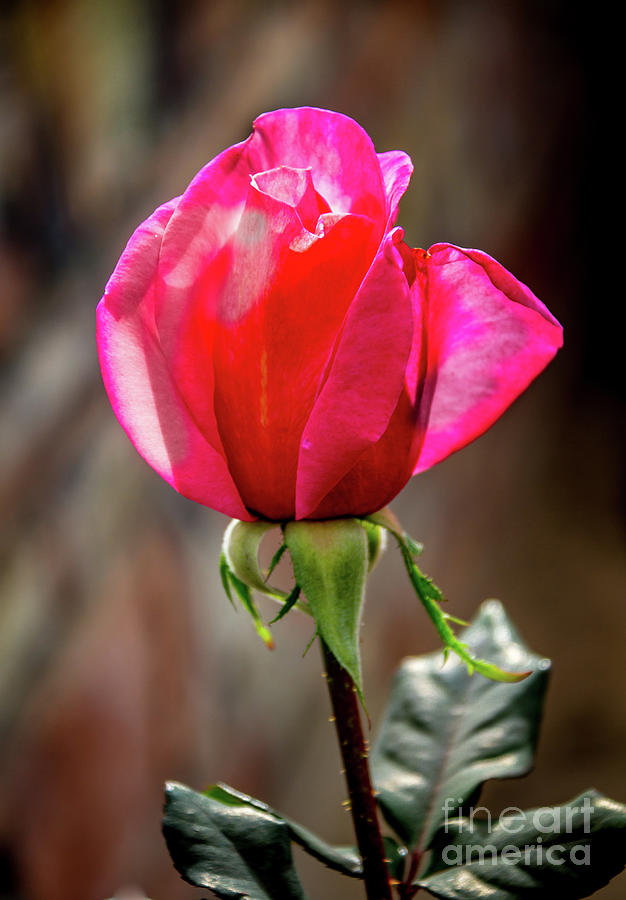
x=310, y=643
x=276, y=558
x=225, y=577
x=566, y=851
x=330, y=563
x=234, y=850
x=376, y=542
x=229, y=579
x=431, y=596
x=342, y=859
x=241, y=549
x=289, y=603
x=444, y=733
x=414, y=547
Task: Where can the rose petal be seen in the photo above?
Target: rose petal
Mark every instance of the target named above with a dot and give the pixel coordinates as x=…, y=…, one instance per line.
x=396, y=168
x=294, y=187
x=380, y=472
x=194, y=267
x=364, y=382
x=282, y=294
x=345, y=167
x=188, y=280
x=140, y=388
x=488, y=337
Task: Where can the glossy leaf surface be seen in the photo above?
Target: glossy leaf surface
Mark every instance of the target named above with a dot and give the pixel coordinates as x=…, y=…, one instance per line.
x=446, y=732
x=569, y=851
x=234, y=849
x=343, y=859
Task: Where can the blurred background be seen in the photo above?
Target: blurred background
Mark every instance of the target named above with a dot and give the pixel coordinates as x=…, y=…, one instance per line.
x=121, y=662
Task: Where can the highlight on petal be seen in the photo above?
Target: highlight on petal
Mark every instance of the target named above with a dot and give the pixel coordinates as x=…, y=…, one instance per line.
x=281, y=303
x=139, y=385
x=320, y=163
x=196, y=262
x=294, y=187
x=364, y=381
x=188, y=278
x=341, y=155
x=488, y=338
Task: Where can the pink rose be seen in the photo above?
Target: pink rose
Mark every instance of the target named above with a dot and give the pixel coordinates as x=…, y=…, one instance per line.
x=274, y=349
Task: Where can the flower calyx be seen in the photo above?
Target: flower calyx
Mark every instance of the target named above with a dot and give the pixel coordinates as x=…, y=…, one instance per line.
x=331, y=560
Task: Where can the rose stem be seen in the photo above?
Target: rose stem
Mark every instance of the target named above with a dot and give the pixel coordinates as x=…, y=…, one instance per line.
x=353, y=748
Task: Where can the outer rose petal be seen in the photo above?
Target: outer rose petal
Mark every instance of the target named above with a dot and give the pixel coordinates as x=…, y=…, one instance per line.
x=281, y=299
x=346, y=173
x=396, y=168
x=140, y=388
x=488, y=337
x=207, y=214
x=364, y=382
x=380, y=472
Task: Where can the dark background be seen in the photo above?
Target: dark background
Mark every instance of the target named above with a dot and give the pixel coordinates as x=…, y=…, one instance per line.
x=121, y=662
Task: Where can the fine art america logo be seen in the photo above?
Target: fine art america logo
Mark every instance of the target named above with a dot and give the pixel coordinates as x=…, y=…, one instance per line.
x=541, y=836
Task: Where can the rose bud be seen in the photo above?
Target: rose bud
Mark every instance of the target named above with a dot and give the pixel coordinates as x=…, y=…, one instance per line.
x=273, y=348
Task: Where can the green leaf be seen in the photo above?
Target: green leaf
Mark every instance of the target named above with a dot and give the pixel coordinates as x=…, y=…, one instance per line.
x=330, y=562
x=235, y=850
x=569, y=851
x=445, y=732
x=342, y=859
x=395, y=856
